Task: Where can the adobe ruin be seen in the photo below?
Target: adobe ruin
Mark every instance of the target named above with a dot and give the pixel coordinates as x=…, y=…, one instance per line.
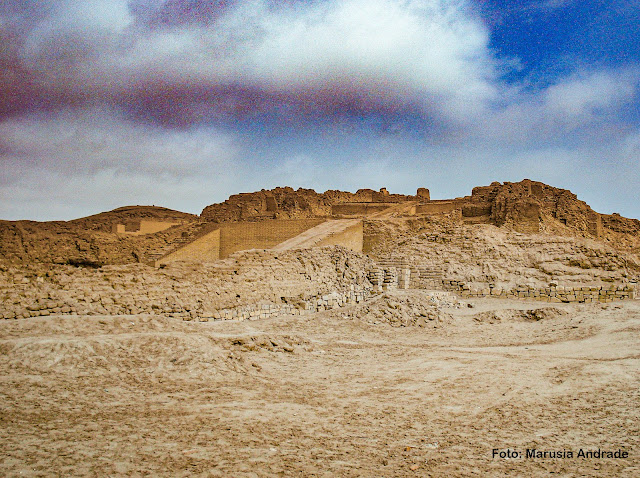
x=521, y=240
x=268, y=218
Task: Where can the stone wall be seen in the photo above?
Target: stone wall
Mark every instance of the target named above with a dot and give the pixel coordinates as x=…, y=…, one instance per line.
x=244, y=282
x=552, y=293
x=409, y=275
x=317, y=303
x=359, y=209
x=400, y=274
x=476, y=214
x=440, y=248
x=261, y=235
x=230, y=238
x=304, y=285
x=439, y=207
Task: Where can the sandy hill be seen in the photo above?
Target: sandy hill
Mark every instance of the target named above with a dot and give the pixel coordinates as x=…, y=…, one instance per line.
x=103, y=221
x=89, y=240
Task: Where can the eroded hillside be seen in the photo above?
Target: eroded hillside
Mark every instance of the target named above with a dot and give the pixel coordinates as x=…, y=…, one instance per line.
x=489, y=254
x=90, y=240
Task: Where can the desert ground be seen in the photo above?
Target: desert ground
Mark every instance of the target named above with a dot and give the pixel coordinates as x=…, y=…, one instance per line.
x=355, y=391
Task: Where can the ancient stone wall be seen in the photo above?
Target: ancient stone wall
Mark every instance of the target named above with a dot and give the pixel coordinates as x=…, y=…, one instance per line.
x=244, y=282
x=400, y=274
x=552, y=293
x=317, y=303
x=251, y=285
x=439, y=206
x=230, y=238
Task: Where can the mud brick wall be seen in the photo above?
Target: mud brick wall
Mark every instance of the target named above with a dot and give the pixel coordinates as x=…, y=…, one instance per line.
x=261, y=235
x=552, y=293
x=250, y=279
x=317, y=303
x=439, y=207
x=358, y=209
x=143, y=227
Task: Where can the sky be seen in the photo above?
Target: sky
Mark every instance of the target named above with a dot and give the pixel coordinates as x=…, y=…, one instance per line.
x=181, y=103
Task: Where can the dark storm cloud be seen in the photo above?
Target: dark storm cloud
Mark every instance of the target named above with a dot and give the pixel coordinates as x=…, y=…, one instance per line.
x=178, y=13
x=187, y=61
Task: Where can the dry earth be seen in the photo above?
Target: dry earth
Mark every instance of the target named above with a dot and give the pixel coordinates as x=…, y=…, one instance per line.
x=348, y=392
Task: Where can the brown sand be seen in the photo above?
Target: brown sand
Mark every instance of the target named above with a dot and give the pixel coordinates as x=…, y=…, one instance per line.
x=322, y=395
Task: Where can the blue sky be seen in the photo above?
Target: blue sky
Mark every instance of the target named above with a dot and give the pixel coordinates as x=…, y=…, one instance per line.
x=181, y=103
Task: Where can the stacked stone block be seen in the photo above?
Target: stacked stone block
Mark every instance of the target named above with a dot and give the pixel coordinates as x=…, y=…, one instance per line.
x=404, y=278
x=376, y=278
x=425, y=277
x=412, y=275
x=314, y=304
x=551, y=293
x=390, y=280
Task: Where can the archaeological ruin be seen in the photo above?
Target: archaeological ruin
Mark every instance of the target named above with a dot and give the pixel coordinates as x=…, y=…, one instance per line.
x=311, y=251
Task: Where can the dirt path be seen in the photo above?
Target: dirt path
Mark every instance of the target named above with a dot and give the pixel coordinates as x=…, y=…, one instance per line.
x=321, y=395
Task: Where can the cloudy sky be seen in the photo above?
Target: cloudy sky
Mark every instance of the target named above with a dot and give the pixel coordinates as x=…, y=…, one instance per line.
x=180, y=103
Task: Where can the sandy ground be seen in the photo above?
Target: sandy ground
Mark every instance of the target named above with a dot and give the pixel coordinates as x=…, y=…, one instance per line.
x=322, y=395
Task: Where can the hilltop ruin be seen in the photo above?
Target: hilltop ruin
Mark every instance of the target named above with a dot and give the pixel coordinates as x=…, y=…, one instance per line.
x=288, y=218
x=516, y=240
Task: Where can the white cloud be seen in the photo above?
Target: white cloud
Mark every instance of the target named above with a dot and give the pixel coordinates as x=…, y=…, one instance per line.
x=90, y=141
x=583, y=97
x=75, y=163
x=583, y=107
x=421, y=51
